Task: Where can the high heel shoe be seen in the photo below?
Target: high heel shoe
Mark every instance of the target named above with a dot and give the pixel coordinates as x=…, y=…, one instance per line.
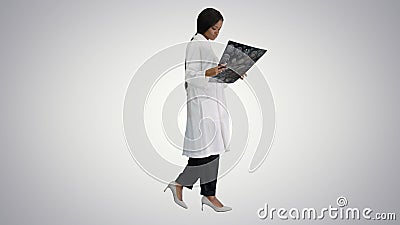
x=204, y=200
x=172, y=186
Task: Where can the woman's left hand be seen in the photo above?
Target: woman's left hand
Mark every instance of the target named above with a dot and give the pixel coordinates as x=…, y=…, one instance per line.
x=243, y=76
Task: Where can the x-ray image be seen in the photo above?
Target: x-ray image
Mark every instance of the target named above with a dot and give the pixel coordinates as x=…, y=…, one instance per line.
x=239, y=58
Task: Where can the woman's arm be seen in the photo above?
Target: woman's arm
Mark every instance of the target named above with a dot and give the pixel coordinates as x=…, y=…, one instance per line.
x=194, y=74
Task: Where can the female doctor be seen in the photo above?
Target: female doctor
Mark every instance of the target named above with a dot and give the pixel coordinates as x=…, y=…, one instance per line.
x=207, y=128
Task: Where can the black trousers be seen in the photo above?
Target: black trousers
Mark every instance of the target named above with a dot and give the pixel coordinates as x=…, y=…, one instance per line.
x=204, y=168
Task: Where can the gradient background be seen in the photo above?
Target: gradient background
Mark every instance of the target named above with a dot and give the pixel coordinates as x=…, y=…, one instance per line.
x=333, y=67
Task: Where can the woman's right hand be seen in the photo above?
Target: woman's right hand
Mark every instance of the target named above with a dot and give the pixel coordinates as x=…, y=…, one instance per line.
x=215, y=70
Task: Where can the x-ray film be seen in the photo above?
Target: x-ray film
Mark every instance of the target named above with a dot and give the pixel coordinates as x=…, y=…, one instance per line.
x=239, y=58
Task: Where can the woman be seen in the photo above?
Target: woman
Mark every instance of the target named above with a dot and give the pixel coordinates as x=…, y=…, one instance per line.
x=207, y=128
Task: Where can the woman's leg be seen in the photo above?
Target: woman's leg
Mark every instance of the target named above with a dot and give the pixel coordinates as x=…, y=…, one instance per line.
x=204, y=168
x=208, y=178
x=208, y=182
x=190, y=174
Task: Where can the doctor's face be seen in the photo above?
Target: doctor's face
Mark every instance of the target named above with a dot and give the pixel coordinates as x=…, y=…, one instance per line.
x=213, y=31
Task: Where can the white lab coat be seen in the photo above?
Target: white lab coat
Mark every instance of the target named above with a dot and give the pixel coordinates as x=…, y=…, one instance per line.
x=207, y=127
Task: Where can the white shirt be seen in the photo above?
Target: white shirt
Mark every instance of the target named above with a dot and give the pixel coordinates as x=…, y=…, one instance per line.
x=207, y=128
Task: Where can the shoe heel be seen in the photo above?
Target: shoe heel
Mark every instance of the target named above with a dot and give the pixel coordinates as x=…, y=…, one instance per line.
x=202, y=206
x=172, y=186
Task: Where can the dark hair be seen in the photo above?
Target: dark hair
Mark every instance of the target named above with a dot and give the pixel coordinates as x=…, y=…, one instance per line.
x=208, y=18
